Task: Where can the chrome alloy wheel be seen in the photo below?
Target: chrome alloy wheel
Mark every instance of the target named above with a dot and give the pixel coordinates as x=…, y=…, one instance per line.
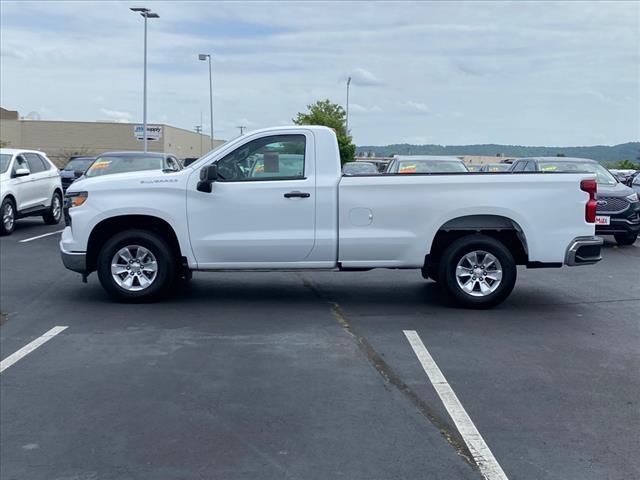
x=8, y=216
x=134, y=268
x=479, y=273
x=56, y=207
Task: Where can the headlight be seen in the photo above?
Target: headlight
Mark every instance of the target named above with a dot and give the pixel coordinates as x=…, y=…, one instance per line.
x=75, y=199
x=632, y=198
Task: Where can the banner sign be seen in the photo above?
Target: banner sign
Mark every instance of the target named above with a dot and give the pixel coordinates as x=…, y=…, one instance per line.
x=154, y=132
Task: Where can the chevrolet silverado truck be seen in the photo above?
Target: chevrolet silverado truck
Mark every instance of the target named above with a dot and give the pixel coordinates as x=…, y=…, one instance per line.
x=275, y=199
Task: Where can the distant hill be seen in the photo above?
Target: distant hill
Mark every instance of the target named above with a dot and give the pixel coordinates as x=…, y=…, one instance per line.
x=602, y=153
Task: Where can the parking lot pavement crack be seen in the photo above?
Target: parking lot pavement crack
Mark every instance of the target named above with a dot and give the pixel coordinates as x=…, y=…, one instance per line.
x=449, y=432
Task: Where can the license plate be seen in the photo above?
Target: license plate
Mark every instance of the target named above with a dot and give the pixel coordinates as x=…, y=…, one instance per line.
x=603, y=220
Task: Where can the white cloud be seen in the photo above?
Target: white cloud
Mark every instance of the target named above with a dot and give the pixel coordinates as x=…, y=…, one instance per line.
x=116, y=115
x=365, y=78
x=416, y=107
x=357, y=108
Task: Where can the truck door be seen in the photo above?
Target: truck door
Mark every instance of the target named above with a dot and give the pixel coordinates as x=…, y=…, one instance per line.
x=261, y=209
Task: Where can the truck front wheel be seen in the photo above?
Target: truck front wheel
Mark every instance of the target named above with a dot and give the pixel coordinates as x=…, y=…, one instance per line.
x=136, y=265
x=477, y=271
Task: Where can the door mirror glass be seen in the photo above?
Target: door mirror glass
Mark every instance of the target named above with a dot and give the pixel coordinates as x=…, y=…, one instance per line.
x=209, y=173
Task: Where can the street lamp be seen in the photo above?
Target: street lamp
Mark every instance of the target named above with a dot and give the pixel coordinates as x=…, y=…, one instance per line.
x=348, y=83
x=146, y=13
x=203, y=57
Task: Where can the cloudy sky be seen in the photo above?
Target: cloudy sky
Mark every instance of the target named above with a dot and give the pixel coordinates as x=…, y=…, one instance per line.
x=531, y=73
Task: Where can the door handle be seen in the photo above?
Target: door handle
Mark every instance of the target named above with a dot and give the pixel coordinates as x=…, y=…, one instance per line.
x=297, y=195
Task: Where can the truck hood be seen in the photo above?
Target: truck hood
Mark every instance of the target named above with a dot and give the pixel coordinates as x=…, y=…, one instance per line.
x=617, y=190
x=124, y=180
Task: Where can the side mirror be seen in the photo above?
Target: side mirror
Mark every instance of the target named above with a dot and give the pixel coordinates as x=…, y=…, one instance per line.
x=208, y=175
x=22, y=172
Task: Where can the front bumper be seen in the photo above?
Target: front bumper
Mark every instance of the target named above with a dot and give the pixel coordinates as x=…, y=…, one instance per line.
x=583, y=251
x=75, y=261
x=627, y=222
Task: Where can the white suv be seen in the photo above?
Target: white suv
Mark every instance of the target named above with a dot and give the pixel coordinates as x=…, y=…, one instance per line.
x=29, y=185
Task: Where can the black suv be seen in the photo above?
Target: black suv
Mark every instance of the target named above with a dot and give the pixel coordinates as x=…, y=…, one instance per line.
x=74, y=169
x=618, y=211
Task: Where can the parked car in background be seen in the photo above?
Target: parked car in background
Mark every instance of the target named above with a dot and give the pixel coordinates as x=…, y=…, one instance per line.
x=635, y=184
x=618, y=208
x=124, y=162
x=188, y=161
x=495, y=167
x=74, y=169
x=426, y=164
x=473, y=168
x=632, y=177
x=622, y=175
x=30, y=186
x=359, y=168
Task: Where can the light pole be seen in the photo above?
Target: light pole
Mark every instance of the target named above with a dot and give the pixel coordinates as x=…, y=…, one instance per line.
x=146, y=13
x=205, y=56
x=348, y=83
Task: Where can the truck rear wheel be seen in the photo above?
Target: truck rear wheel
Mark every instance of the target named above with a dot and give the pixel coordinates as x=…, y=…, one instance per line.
x=477, y=271
x=136, y=265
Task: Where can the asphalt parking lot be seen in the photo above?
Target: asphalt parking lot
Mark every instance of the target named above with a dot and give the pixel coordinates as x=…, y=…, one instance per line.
x=311, y=376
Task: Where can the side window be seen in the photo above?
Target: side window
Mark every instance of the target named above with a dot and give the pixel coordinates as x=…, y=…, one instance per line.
x=519, y=166
x=36, y=164
x=278, y=157
x=20, y=163
x=47, y=165
x=530, y=166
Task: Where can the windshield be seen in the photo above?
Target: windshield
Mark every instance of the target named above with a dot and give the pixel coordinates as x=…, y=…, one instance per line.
x=430, y=166
x=5, y=160
x=78, y=164
x=603, y=176
x=115, y=164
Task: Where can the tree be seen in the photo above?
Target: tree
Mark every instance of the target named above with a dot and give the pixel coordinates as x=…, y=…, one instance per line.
x=626, y=165
x=331, y=115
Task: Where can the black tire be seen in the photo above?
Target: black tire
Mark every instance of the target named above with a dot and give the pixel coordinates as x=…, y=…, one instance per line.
x=166, y=265
x=626, y=238
x=7, y=208
x=54, y=214
x=454, y=254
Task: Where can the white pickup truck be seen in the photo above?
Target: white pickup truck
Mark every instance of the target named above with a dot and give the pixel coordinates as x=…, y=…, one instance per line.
x=276, y=199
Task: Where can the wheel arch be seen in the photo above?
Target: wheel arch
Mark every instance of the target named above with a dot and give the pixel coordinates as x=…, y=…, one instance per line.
x=500, y=227
x=12, y=197
x=108, y=227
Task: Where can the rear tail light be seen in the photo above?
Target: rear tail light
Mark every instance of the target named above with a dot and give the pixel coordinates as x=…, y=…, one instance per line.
x=591, y=187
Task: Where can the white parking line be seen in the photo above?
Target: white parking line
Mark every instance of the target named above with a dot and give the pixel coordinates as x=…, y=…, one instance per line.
x=30, y=347
x=41, y=236
x=487, y=463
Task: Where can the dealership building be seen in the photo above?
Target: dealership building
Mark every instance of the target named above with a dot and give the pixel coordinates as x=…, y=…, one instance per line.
x=61, y=139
